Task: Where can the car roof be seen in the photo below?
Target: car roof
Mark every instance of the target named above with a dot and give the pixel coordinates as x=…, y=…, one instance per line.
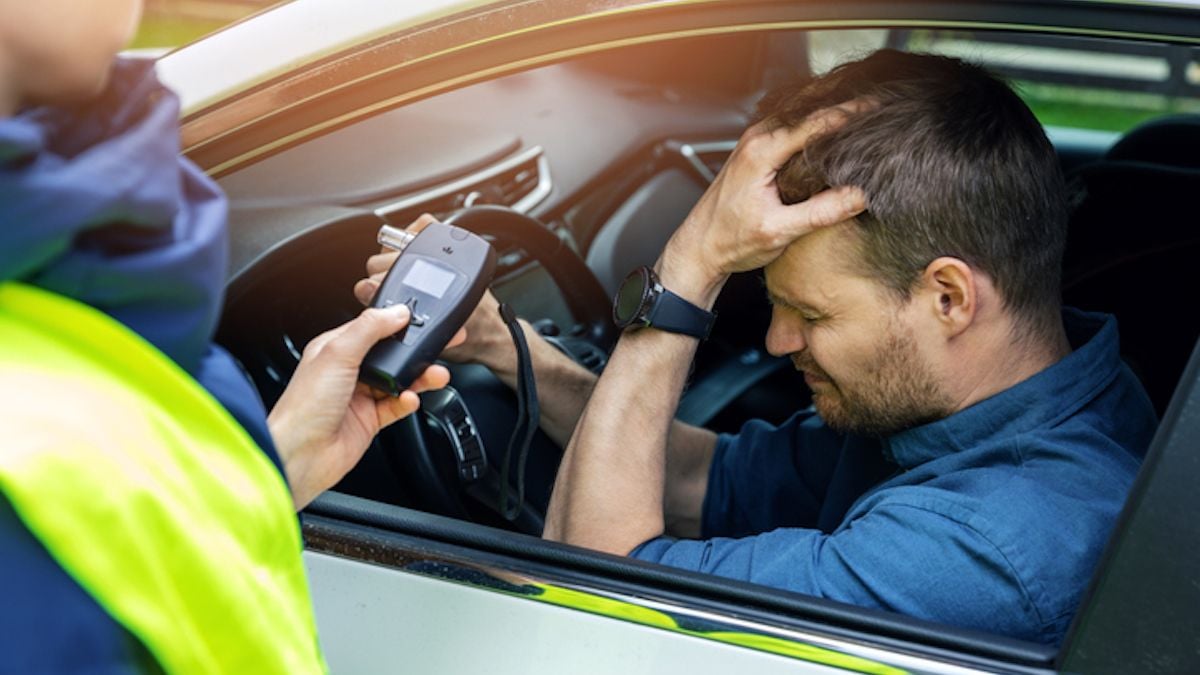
x=289, y=35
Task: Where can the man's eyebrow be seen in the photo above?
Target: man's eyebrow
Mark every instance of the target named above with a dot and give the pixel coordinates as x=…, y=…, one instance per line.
x=776, y=299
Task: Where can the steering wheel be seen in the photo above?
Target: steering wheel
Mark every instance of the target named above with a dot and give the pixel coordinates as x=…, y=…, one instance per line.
x=421, y=445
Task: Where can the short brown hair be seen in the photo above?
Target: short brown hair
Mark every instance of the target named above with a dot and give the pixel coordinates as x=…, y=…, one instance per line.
x=953, y=163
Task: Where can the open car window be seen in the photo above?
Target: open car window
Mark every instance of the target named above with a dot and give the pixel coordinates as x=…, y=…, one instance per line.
x=616, y=146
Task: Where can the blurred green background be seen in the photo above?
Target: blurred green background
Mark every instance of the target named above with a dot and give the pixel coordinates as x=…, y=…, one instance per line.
x=167, y=31
x=171, y=23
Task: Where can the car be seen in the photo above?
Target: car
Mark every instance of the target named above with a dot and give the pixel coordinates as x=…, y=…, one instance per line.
x=576, y=134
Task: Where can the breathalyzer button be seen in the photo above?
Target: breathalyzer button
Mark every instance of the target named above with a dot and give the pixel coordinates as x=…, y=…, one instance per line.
x=457, y=233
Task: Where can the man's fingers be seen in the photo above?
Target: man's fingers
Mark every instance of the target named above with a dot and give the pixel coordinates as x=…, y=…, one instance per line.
x=421, y=223
x=777, y=145
x=380, y=263
x=825, y=208
x=365, y=289
x=459, y=338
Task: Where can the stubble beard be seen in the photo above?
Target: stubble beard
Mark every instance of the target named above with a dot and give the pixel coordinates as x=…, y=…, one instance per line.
x=897, y=391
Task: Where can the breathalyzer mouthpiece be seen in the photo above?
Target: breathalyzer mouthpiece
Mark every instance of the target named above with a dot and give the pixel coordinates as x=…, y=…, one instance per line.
x=394, y=238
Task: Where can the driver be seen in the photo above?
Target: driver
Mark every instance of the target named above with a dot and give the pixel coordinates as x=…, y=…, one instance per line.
x=970, y=441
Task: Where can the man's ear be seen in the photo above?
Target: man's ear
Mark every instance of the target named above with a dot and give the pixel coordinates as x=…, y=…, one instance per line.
x=949, y=292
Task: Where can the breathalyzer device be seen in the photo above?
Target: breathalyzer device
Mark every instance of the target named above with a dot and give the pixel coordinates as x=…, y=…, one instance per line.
x=441, y=274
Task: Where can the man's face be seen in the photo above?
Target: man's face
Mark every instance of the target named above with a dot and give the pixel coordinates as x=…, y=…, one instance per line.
x=855, y=342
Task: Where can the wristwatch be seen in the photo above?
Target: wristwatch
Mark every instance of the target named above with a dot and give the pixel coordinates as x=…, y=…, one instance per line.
x=642, y=301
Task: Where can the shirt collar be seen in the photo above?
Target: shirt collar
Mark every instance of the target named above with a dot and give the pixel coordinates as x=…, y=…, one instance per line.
x=1054, y=393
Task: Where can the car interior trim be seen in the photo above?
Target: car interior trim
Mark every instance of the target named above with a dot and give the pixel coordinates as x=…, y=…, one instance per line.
x=692, y=152
x=535, y=196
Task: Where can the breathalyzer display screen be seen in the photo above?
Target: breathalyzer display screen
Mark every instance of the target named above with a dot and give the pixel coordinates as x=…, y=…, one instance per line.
x=428, y=278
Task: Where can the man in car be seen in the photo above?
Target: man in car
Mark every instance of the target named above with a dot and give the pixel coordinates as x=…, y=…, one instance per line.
x=970, y=441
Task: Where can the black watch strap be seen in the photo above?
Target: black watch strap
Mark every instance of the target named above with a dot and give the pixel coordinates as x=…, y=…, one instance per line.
x=641, y=300
x=673, y=314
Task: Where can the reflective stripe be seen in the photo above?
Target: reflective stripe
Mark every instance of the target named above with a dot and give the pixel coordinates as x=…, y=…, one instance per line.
x=618, y=609
x=148, y=493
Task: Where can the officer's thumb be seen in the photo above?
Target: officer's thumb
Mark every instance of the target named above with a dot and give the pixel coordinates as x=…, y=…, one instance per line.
x=371, y=326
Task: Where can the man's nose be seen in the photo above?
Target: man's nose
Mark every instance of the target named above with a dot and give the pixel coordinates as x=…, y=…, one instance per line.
x=784, y=337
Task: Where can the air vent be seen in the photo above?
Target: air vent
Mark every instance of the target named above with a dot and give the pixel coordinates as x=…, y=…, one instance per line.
x=513, y=188
x=520, y=182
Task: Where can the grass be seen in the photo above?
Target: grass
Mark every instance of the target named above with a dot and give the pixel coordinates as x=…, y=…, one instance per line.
x=1100, y=109
x=1079, y=106
x=163, y=31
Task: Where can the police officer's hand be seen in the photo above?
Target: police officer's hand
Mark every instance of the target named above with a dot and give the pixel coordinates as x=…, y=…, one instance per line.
x=740, y=223
x=488, y=341
x=326, y=418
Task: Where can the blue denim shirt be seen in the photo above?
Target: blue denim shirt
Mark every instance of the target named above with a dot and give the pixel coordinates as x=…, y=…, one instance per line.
x=992, y=518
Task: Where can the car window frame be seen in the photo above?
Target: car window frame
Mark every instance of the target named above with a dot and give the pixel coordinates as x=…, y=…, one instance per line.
x=315, y=112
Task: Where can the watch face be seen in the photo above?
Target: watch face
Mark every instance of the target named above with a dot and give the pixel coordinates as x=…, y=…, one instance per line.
x=630, y=298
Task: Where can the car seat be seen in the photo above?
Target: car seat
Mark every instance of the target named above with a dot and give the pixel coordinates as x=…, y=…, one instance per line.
x=1134, y=242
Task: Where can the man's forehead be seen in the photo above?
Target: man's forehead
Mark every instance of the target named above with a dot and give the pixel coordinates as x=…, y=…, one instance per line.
x=816, y=262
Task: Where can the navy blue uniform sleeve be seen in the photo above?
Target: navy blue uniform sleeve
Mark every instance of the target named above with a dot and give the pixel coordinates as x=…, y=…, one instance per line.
x=766, y=477
x=909, y=558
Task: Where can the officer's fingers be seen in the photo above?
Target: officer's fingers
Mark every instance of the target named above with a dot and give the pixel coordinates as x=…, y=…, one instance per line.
x=459, y=338
x=356, y=337
x=318, y=343
x=434, y=377
x=389, y=409
x=364, y=290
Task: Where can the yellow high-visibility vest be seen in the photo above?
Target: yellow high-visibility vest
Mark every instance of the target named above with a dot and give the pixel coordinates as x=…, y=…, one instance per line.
x=148, y=492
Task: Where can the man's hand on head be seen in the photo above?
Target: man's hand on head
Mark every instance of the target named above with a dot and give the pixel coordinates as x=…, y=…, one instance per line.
x=741, y=223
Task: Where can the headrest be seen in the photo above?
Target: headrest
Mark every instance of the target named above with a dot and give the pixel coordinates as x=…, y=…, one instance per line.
x=1173, y=140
